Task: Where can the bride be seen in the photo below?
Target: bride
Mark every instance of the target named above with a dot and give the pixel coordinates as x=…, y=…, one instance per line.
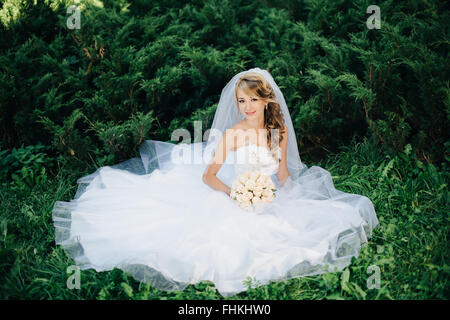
x=170, y=221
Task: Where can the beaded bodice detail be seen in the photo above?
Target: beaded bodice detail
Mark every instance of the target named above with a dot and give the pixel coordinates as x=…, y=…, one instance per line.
x=254, y=157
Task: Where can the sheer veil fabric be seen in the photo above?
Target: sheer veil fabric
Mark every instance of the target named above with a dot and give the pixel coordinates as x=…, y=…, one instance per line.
x=153, y=217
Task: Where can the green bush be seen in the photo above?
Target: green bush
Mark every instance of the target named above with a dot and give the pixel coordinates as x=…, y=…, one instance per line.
x=164, y=58
x=137, y=70
x=26, y=166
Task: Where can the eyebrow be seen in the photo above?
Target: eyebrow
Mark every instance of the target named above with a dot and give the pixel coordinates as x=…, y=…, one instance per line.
x=250, y=97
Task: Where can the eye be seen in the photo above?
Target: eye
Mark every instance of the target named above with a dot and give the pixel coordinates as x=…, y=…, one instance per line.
x=253, y=99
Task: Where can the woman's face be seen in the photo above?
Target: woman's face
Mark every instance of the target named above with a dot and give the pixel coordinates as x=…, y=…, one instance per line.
x=250, y=105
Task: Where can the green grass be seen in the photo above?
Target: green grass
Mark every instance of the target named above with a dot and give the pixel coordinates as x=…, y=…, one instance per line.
x=410, y=246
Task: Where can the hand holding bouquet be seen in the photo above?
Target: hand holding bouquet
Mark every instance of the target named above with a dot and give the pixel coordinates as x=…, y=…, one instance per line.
x=252, y=190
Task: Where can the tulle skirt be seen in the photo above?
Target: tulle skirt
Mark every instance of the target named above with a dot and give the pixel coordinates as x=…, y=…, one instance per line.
x=158, y=221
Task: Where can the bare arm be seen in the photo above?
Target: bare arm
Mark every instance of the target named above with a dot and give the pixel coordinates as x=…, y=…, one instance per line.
x=209, y=176
x=283, y=172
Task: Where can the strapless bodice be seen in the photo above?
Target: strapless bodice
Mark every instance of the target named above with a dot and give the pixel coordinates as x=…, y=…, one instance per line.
x=254, y=157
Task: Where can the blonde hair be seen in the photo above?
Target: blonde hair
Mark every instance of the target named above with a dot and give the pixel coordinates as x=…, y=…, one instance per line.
x=252, y=83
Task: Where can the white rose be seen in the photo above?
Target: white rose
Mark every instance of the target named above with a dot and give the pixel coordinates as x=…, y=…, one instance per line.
x=250, y=184
x=240, y=198
x=247, y=196
x=241, y=189
x=267, y=193
x=268, y=198
x=260, y=181
x=257, y=191
x=256, y=200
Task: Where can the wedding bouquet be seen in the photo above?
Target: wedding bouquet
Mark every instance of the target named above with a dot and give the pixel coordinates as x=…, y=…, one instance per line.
x=252, y=190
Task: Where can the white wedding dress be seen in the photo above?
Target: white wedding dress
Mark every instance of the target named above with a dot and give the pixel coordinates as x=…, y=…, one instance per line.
x=158, y=221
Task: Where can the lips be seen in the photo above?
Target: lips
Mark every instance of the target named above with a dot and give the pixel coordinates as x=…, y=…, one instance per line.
x=250, y=113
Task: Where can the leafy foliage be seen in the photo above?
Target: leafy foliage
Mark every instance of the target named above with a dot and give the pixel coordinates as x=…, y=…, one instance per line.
x=376, y=103
x=410, y=247
x=339, y=78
